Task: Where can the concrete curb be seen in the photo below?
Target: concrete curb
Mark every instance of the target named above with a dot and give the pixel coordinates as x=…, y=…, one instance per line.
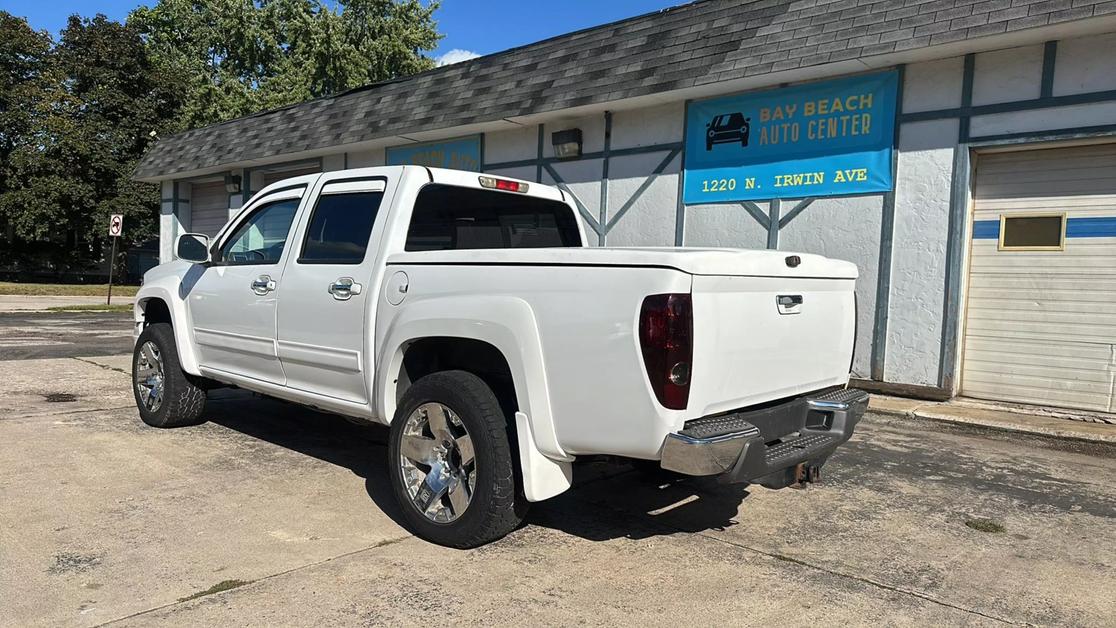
x=995, y=418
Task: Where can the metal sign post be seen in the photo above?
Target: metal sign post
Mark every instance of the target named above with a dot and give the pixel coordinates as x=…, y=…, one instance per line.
x=116, y=228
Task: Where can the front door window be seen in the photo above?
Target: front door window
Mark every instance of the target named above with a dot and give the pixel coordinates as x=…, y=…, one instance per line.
x=260, y=239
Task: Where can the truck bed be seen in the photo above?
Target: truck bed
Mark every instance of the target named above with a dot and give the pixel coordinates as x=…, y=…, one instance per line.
x=586, y=306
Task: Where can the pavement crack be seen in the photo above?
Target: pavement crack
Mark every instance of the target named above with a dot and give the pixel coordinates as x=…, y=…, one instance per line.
x=862, y=579
x=790, y=559
x=66, y=413
x=257, y=581
x=104, y=366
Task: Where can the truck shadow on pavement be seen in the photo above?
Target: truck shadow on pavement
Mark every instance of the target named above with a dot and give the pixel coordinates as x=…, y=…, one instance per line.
x=327, y=437
x=609, y=500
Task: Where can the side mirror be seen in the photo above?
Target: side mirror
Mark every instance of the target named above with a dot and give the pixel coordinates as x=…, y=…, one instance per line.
x=193, y=247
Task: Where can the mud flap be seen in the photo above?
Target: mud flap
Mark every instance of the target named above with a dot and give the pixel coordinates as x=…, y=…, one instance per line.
x=543, y=478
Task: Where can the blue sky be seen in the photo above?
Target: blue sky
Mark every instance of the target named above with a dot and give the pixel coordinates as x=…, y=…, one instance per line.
x=471, y=26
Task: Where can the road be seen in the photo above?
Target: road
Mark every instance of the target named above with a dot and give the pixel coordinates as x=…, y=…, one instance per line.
x=104, y=520
x=25, y=335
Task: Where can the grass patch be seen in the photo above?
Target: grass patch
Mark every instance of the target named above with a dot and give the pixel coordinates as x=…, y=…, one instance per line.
x=92, y=307
x=985, y=525
x=64, y=290
x=224, y=585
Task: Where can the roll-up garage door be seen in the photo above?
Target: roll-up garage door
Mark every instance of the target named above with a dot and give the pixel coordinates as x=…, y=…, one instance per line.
x=209, y=207
x=1040, y=323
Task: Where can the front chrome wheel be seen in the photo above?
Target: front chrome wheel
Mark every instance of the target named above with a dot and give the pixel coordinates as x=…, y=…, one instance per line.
x=439, y=469
x=150, y=377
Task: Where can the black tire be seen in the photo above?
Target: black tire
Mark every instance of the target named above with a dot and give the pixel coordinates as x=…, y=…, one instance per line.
x=183, y=400
x=497, y=505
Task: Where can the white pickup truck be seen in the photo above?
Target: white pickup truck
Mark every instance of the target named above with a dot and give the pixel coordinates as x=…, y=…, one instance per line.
x=466, y=312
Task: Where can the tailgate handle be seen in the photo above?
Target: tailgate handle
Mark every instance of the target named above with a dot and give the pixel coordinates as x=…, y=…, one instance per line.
x=789, y=303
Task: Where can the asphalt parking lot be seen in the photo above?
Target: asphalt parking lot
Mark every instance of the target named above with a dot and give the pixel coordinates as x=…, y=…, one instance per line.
x=104, y=520
x=26, y=335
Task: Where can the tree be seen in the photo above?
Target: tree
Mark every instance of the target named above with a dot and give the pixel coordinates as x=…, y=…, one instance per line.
x=23, y=53
x=238, y=57
x=103, y=101
x=382, y=40
x=76, y=116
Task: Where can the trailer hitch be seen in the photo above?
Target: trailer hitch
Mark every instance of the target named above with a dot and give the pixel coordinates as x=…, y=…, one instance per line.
x=805, y=473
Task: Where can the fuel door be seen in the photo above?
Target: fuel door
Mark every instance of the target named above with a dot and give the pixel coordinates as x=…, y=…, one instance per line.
x=395, y=290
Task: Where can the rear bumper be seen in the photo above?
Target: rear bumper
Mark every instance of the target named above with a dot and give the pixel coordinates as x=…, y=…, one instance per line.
x=765, y=445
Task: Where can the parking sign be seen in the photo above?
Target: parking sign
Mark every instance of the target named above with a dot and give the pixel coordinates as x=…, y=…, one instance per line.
x=116, y=225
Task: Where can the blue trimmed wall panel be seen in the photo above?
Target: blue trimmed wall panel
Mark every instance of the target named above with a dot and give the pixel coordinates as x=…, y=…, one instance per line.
x=1093, y=227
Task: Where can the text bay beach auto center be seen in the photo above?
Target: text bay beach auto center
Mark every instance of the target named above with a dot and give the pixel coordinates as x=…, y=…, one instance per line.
x=961, y=152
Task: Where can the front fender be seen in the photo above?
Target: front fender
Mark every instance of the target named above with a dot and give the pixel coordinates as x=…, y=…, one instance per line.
x=506, y=322
x=171, y=283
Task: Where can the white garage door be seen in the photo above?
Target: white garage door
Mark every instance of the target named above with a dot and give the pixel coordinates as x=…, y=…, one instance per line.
x=209, y=207
x=1041, y=315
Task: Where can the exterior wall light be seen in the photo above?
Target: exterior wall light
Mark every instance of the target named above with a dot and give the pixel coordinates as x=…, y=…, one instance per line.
x=232, y=183
x=567, y=144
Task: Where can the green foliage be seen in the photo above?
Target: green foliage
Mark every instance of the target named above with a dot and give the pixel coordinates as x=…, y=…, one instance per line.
x=76, y=116
x=23, y=54
x=98, y=101
x=236, y=57
x=986, y=525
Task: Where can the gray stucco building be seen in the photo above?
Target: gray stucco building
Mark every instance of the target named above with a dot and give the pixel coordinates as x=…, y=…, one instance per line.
x=986, y=240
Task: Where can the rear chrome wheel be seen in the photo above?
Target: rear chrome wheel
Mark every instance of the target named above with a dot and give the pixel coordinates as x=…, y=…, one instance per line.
x=437, y=462
x=150, y=377
x=451, y=464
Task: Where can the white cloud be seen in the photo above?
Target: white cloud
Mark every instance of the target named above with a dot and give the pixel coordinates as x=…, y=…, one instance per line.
x=457, y=55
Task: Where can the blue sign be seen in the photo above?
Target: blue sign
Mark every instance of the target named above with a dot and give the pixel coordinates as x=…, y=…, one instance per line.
x=459, y=154
x=819, y=139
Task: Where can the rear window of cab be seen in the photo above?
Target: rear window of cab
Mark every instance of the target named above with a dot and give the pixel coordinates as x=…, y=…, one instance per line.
x=447, y=217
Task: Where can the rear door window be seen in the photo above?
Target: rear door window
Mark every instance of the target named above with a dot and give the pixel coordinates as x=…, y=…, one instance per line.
x=340, y=227
x=452, y=217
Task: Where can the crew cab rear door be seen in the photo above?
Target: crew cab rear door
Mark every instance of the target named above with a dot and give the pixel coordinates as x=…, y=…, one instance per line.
x=328, y=297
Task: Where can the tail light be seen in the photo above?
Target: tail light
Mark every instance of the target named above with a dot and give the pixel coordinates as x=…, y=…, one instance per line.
x=506, y=185
x=666, y=331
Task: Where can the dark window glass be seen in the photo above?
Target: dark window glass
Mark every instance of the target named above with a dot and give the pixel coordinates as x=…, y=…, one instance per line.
x=339, y=228
x=260, y=239
x=450, y=217
x=1033, y=231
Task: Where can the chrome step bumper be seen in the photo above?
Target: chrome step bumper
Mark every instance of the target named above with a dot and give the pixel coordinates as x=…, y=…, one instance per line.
x=760, y=445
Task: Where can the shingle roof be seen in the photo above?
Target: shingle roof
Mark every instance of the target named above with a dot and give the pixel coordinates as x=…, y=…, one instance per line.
x=686, y=46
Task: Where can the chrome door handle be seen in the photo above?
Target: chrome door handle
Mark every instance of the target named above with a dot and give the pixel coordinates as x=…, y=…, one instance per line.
x=789, y=303
x=263, y=284
x=344, y=288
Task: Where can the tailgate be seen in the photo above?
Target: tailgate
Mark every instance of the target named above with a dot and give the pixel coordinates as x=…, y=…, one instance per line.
x=757, y=339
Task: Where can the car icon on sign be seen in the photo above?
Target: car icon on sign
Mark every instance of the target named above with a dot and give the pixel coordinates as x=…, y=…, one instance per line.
x=727, y=127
